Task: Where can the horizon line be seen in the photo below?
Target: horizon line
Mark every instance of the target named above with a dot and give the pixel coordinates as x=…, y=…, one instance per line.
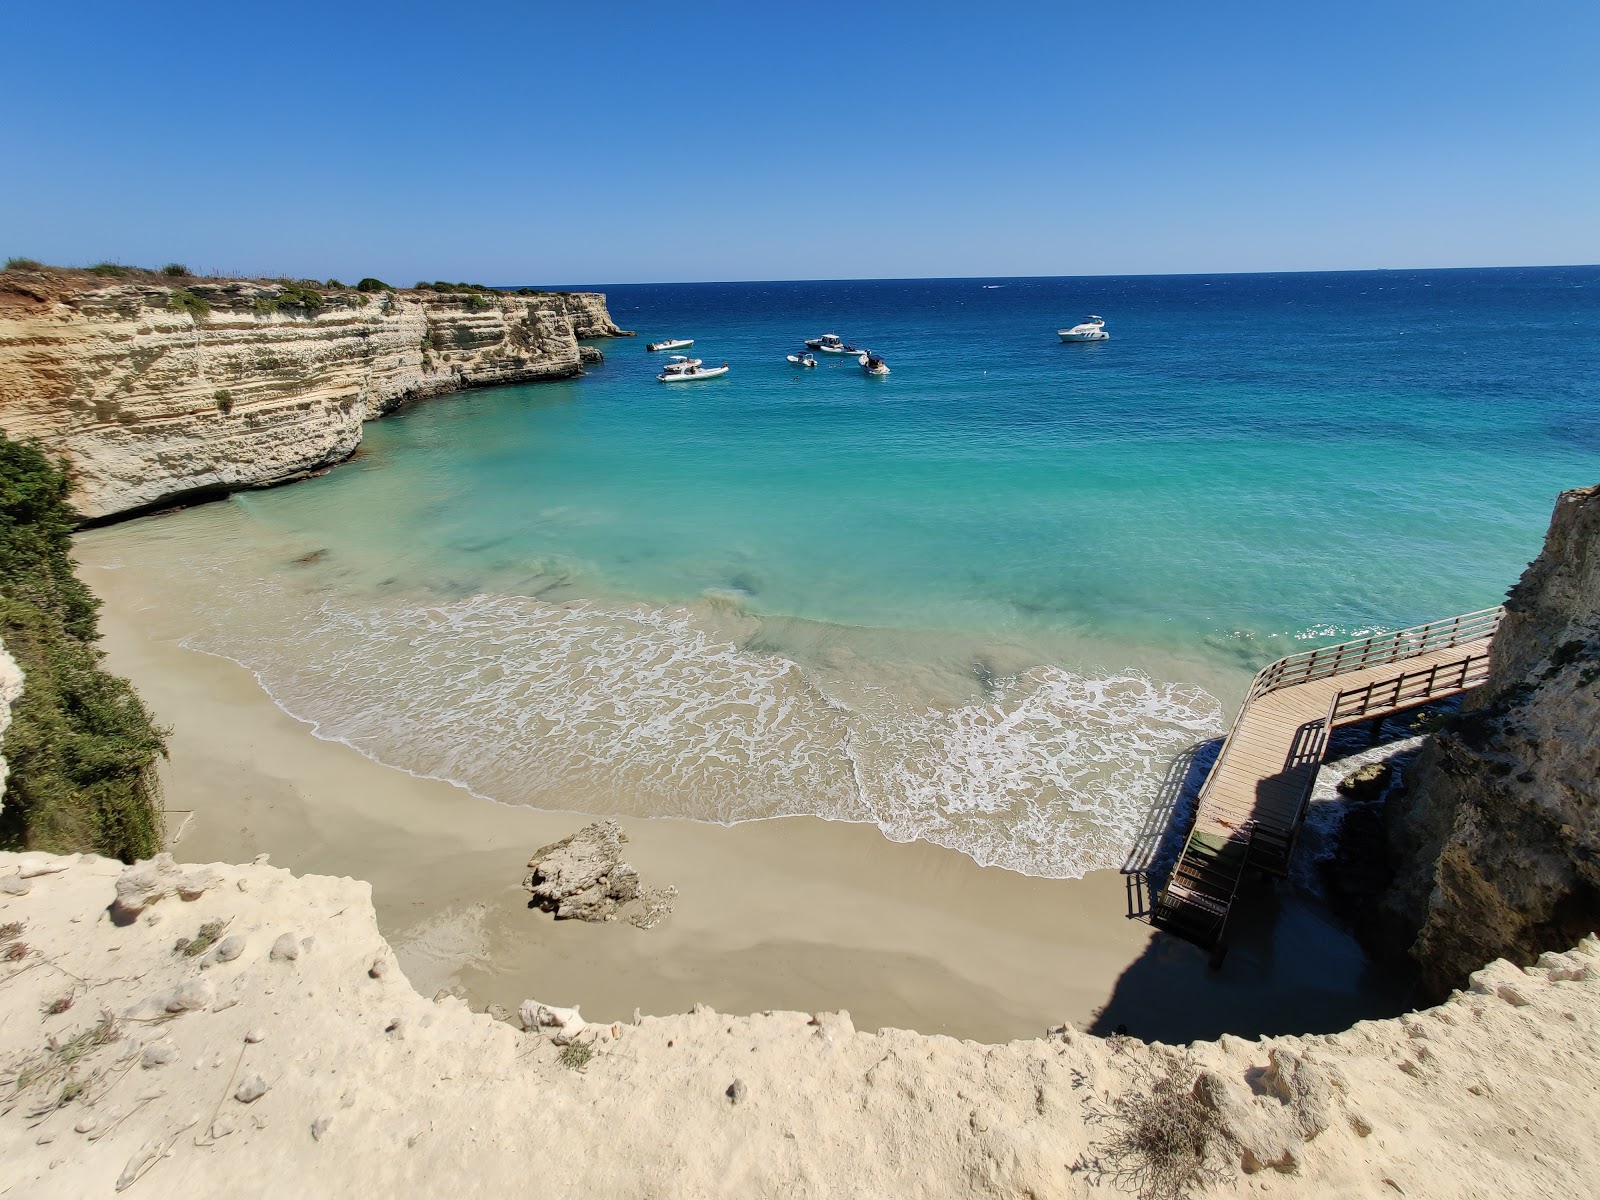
x=1096, y=275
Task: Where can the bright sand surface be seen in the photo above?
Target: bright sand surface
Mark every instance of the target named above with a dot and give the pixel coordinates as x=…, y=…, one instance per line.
x=793, y=913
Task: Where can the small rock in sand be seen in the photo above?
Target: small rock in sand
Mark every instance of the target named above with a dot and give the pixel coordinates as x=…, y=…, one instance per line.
x=320, y=1127
x=159, y=1054
x=285, y=949
x=255, y=1035
x=379, y=967
x=230, y=947
x=190, y=995
x=142, y=1158
x=736, y=1092
x=15, y=885
x=252, y=1089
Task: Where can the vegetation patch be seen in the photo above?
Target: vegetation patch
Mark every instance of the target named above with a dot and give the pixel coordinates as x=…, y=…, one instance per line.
x=1159, y=1140
x=24, y=264
x=176, y=271
x=455, y=289
x=82, y=747
x=370, y=284
x=294, y=299
x=110, y=270
x=60, y=1071
x=209, y=933
x=575, y=1056
x=185, y=301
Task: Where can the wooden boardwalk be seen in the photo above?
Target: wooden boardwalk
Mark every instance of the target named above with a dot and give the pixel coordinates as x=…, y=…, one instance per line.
x=1250, y=809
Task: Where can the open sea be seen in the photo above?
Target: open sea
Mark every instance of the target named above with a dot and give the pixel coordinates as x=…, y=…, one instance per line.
x=982, y=601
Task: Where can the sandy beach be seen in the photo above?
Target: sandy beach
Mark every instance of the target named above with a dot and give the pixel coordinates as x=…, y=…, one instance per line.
x=794, y=913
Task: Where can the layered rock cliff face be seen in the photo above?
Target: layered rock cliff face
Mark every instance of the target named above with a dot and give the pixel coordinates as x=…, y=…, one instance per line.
x=1498, y=834
x=155, y=392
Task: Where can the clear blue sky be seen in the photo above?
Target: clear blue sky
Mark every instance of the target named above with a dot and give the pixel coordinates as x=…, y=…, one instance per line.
x=535, y=142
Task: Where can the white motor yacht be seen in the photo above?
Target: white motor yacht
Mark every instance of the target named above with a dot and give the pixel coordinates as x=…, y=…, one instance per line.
x=692, y=374
x=1091, y=329
x=829, y=343
x=872, y=364
x=803, y=360
x=670, y=344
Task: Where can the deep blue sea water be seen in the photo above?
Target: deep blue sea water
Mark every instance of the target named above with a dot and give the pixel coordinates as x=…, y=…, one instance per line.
x=981, y=601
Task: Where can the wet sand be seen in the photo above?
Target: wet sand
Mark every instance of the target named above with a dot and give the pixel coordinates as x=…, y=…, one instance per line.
x=791, y=913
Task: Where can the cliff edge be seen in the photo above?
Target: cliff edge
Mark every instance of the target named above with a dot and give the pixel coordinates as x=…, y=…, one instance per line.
x=156, y=389
x=1497, y=836
x=235, y=1029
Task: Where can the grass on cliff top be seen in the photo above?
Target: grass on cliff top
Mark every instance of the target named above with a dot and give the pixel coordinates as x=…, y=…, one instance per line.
x=82, y=748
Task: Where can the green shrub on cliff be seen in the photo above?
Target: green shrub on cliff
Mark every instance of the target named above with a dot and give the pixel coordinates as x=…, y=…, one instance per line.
x=176, y=271
x=296, y=299
x=370, y=284
x=24, y=264
x=81, y=747
x=187, y=302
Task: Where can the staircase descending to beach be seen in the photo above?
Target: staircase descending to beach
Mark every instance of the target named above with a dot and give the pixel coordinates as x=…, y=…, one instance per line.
x=1249, y=811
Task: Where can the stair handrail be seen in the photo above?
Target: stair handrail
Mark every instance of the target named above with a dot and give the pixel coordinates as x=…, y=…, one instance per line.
x=1343, y=657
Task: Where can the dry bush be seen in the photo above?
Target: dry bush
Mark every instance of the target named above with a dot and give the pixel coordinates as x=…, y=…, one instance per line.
x=1158, y=1140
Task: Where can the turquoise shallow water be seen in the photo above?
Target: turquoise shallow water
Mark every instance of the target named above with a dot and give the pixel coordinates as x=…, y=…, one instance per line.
x=979, y=601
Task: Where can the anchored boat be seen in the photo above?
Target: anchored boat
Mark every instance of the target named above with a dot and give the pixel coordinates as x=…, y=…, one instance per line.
x=671, y=344
x=829, y=343
x=872, y=364
x=691, y=373
x=1090, y=329
x=803, y=360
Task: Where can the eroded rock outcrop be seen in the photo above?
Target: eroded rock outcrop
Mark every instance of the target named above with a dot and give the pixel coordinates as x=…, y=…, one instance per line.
x=1498, y=834
x=583, y=877
x=155, y=392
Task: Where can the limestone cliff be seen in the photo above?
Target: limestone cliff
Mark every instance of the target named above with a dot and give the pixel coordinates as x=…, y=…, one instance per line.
x=154, y=390
x=236, y=1030
x=1498, y=834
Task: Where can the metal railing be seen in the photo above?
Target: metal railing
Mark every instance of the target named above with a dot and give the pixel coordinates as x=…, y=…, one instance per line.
x=1375, y=651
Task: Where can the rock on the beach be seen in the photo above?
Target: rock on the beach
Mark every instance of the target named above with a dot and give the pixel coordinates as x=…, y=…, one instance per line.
x=583, y=877
x=565, y=1024
x=159, y=1054
x=190, y=995
x=285, y=949
x=251, y=1089
x=141, y=885
x=230, y=947
x=1368, y=782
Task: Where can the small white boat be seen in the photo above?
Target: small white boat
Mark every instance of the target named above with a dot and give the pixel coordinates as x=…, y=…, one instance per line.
x=691, y=374
x=872, y=364
x=680, y=362
x=670, y=344
x=829, y=343
x=803, y=360
x=1091, y=329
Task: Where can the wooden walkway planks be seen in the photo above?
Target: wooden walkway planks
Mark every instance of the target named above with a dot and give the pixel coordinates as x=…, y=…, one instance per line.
x=1250, y=808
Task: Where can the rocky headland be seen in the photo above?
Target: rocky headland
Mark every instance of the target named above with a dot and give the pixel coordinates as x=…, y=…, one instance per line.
x=158, y=390
x=1496, y=838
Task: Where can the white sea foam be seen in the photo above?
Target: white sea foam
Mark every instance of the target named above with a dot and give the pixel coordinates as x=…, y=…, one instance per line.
x=659, y=713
